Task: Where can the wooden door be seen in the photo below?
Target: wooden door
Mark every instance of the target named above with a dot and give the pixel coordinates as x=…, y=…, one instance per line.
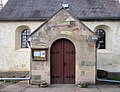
x=63, y=62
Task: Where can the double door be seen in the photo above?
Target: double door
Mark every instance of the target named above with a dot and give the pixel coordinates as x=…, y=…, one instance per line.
x=62, y=62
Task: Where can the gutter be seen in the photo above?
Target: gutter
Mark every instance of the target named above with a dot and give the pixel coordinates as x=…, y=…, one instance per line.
x=46, y=18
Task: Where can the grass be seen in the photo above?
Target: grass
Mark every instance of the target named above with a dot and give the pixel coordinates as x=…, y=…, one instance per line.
x=114, y=78
x=10, y=81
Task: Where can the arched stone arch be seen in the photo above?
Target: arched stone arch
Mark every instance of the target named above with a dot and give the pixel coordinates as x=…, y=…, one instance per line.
x=18, y=32
x=63, y=37
x=108, y=32
x=104, y=27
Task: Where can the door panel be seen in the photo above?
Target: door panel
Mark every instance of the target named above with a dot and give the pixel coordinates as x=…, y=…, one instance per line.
x=69, y=69
x=63, y=62
x=56, y=58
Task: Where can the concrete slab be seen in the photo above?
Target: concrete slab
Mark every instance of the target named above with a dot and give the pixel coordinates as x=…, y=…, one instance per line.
x=24, y=87
x=17, y=87
x=62, y=88
x=108, y=88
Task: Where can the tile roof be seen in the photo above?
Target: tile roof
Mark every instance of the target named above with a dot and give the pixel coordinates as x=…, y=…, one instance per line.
x=43, y=9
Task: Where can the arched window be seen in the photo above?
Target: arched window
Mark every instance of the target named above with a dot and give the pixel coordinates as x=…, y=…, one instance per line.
x=101, y=41
x=24, y=35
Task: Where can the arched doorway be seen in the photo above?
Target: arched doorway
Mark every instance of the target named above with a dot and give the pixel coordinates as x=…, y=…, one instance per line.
x=62, y=62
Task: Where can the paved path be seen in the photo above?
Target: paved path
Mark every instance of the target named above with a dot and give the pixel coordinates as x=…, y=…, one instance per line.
x=23, y=87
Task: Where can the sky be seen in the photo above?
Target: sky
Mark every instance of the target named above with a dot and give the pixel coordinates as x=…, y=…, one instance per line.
x=4, y=1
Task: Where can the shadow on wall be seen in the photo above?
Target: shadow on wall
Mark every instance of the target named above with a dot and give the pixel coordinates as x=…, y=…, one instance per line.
x=102, y=74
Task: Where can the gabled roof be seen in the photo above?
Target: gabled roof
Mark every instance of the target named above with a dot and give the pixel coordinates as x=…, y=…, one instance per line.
x=43, y=9
x=57, y=13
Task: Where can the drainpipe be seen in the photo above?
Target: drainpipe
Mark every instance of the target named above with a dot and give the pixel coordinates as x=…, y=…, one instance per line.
x=14, y=78
x=104, y=80
x=19, y=79
x=109, y=81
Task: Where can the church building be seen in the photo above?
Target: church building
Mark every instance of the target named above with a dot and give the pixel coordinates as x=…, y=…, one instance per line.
x=60, y=41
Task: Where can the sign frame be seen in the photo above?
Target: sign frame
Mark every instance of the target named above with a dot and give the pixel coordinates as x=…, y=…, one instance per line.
x=39, y=54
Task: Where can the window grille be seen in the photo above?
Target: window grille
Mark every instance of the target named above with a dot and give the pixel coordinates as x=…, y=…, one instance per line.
x=25, y=34
x=101, y=41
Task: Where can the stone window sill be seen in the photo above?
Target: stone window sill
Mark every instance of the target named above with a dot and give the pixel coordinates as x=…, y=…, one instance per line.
x=102, y=51
x=23, y=50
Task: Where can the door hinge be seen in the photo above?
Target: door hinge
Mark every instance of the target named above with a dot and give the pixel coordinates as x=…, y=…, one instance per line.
x=72, y=77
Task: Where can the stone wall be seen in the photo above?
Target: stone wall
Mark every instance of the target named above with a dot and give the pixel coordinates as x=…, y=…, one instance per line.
x=82, y=37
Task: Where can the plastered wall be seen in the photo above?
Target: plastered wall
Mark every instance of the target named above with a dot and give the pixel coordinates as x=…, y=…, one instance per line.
x=12, y=59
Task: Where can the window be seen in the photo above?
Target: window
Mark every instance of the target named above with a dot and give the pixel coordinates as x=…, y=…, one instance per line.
x=101, y=41
x=25, y=34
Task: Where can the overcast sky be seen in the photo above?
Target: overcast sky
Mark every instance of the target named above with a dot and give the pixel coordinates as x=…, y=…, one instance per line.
x=4, y=1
